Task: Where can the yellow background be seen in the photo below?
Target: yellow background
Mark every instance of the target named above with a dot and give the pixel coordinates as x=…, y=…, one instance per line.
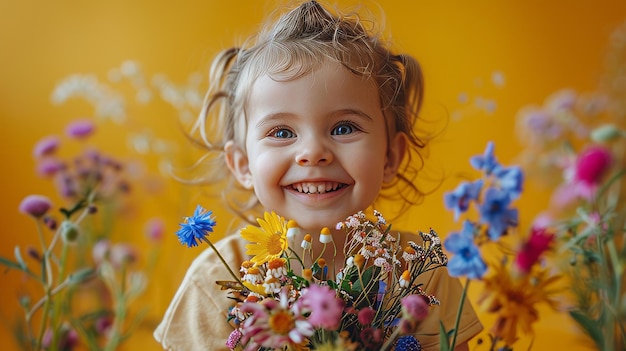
x=538, y=46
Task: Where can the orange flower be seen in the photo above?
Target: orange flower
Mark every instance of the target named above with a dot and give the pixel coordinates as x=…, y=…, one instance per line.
x=514, y=299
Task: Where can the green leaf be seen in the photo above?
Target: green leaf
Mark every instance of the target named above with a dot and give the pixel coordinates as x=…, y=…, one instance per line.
x=590, y=326
x=444, y=341
x=15, y=265
x=20, y=260
x=370, y=272
x=81, y=275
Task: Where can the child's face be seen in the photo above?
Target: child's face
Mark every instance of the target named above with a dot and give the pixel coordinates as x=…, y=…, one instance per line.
x=316, y=147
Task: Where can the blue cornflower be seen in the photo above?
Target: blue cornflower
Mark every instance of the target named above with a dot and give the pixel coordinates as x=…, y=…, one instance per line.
x=495, y=212
x=196, y=227
x=407, y=343
x=459, y=199
x=466, y=260
x=511, y=180
x=486, y=162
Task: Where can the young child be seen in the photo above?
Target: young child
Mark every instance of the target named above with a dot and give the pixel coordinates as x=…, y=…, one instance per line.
x=316, y=121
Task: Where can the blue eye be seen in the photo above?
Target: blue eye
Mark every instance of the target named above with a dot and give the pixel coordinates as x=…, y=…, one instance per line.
x=343, y=129
x=282, y=133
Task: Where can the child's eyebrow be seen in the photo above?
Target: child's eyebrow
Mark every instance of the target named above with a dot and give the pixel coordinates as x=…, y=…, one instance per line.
x=283, y=116
x=351, y=111
x=272, y=117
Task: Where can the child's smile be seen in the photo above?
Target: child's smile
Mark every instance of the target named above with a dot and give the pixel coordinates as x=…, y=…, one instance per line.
x=316, y=146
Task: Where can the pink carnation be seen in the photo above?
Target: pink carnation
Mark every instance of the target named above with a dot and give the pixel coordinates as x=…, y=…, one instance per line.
x=591, y=165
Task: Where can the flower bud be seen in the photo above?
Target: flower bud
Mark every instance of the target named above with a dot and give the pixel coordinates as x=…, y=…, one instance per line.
x=359, y=260
x=69, y=232
x=366, y=315
x=35, y=205
x=307, y=274
x=306, y=242
x=321, y=262
x=325, y=236
x=292, y=229
x=606, y=133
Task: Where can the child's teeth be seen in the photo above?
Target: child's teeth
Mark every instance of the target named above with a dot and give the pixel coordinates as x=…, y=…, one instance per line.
x=316, y=188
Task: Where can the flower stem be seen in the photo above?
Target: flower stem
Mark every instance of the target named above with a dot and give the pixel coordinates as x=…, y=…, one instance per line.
x=391, y=339
x=54, y=323
x=458, y=315
x=236, y=277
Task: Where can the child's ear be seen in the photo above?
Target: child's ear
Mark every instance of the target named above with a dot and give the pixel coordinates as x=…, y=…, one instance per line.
x=237, y=162
x=395, y=155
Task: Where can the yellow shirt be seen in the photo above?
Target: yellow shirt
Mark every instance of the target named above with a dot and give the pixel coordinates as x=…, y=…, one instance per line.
x=197, y=316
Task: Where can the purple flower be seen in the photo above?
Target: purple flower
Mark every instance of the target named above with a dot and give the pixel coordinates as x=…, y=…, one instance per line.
x=486, y=162
x=466, y=260
x=511, y=180
x=80, y=129
x=35, y=205
x=48, y=167
x=459, y=200
x=495, y=212
x=196, y=227
x=46, y=146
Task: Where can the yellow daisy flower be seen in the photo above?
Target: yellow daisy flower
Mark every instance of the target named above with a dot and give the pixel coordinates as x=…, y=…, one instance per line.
x=514, y=298
x=269, y=240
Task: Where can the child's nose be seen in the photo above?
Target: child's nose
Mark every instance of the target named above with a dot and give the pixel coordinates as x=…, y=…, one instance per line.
x=313, y=154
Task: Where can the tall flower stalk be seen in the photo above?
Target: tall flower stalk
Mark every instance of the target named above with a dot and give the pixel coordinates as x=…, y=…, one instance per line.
x=56, y=318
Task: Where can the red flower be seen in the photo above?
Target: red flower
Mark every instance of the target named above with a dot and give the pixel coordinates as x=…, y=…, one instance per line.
x=531, y=250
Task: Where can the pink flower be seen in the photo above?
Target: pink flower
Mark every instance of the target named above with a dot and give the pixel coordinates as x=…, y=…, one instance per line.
x=531, y=250
x=154, y=229
x=233, y=339
x=46, y=146
x=326, y=309
x=35, y=205
x=80, y=129
x=414, y=307
x=274, y=324
x=591, y=165
x=101, y=250
x=122, y=254
x=366, y=315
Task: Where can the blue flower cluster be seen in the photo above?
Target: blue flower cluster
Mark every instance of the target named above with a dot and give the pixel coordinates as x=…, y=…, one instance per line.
x=504, y=184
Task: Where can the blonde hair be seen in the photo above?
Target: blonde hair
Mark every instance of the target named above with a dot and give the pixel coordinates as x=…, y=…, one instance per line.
x=292, y=46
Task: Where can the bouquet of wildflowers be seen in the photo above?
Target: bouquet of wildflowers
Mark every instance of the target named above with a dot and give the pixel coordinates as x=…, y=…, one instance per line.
x=87, y=282
x=515, y=282
x=287, y=297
